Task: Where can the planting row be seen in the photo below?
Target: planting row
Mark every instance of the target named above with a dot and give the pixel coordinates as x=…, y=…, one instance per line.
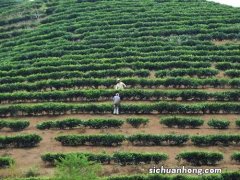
x=104, y=31
x=95, y=66
x=115, y=52
x=199, y=72
x=162, y=63
x=123, y=158
x=92, y=123
x=32, y=140
x=213, y=140
x=128, y=94
x=178, y=82
x=78, y=60
x=121, y=52
x=174, y=121
x=148, y=140
x=14, y=125
x=67, y=48
x=76, y=74
x=232, y=73
x=227, y=66
x=202, y=72
x=191, y=122
x=161, y=107
x=195, y=158
x=178, y=121
x=19, y=141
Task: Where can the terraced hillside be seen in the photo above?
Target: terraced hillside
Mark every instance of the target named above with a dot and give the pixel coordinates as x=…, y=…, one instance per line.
x=59, y=61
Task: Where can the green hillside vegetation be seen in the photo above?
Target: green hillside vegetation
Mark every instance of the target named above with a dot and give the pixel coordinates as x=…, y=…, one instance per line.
x=62, y=58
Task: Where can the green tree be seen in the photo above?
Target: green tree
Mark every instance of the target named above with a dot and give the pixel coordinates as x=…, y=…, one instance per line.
x=77, y=167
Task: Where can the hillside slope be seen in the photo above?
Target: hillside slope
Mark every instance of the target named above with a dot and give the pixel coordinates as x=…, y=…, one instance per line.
x=40, y=34
x=115, y=29
x=60, y=59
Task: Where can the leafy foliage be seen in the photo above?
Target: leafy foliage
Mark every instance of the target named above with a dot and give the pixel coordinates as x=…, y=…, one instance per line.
x=200, y=158
x=6, y=161
x=219, y=124
x=182, y=122
x=213, y=140
x=53, y=158
x=15, y=125
x=128, y=94
x=103, y=123
x=122, y=158
x=61, y=124
x=95, y=140
x=157, y=140
x=75, y=166
x=137, y=122
x=126, y=158
x=73, y=123
x=20, y=141
x=236, y=156
x=140, y=108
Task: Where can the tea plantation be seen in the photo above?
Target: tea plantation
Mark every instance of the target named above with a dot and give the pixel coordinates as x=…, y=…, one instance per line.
x=59, y=64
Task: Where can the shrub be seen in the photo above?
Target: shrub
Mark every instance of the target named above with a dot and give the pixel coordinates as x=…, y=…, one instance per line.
x=6, y=162
x=178, y=82
x=199, y=72
x=103, y=123
x=45, y=125
x=238, y=123
x=230, y=175
x=67, y=123
x=71, y=123
x=160, y=107
x=17, y=125
x=75, y=166
x=200, y=158
x=137, y=122
x=182, y=122
x=219, y=124
x=212, y=140
x=96, y=140
x=14, y=125
x=127, y=94
x=126, y=158
x=52, y=158
x=28, y=140
x=236, y=156
x=61, y=124
x=123, y=158
x=157, y=140
x=3, y=124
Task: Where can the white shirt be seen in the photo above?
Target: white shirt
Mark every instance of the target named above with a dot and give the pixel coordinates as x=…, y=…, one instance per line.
x=116, y=100
x=120, y=85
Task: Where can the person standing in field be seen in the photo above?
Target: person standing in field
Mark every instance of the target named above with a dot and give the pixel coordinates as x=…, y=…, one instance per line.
x=116, y=103
x=120, y=85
